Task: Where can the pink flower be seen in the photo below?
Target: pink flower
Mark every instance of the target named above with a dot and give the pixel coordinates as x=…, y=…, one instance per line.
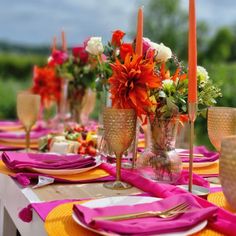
x=104, y=57
x=86, y=42
x=59, y=57
x=80, y=52
x=146, y=45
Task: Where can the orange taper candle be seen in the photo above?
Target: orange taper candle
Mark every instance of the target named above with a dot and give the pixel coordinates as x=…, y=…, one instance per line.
x=63, y=39
x=192, y=54
x=139, y=35
x=54, y=44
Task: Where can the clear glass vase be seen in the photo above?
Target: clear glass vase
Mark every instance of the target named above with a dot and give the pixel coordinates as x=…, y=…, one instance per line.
x=76, y=101
x=59, y=122
x=161, y=162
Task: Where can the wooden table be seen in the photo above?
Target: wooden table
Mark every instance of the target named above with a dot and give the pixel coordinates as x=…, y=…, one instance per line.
x=14, y=198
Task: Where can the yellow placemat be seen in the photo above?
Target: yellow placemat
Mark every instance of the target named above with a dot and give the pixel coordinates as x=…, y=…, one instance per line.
x=4, y=170
x=88, y=175
x=20, y=144
x=211, y=169
x=208, y=232
x=59, y=222
x=219, y=199
x=11, y=128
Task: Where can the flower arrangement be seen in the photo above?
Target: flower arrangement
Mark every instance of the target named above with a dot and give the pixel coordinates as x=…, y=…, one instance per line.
x=46, y=84
x=79, y=69
x=155, y=83
x=80, y=66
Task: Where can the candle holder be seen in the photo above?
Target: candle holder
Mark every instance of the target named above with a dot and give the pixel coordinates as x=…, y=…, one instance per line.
x=192, y=110
x=195, y=189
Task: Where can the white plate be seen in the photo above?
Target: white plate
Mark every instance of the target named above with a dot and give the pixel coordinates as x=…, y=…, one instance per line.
x=64, y=171
x=130, y=200
x=200, y=164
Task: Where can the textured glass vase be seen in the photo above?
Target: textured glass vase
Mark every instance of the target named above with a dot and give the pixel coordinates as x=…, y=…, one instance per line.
x=227, y=169
x=161, y=162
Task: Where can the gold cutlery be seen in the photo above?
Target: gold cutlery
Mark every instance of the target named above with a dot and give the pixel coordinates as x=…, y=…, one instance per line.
x=171, y=212
x=195, y=154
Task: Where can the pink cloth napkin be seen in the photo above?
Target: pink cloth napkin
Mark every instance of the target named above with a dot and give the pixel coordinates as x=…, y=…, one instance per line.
x=208, y=155
x=18, y=161
x=8, y=123
x=26, y=178
x=6, y=148
x=42, y=208
x=150, y=225
x=224, y=222
x=35, y=134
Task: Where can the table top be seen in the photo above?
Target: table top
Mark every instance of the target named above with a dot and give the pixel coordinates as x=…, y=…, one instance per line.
x=14, y=198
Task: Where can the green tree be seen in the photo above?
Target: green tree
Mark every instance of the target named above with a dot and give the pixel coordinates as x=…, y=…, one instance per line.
x=165, y=21
x=220, y=47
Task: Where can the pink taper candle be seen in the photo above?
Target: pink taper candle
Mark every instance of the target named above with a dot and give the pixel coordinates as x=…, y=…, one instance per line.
x=63, y=39
x=139, y=35
x=192, y=54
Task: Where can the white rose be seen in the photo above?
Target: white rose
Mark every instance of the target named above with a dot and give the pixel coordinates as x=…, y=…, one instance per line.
x=202, y=75
x=152, y=44
x=163, y=53
x=50, y=59
x=167, y=83
x=94, y=46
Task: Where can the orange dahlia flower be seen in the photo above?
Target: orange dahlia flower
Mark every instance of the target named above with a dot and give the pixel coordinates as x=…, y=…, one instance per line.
x=130, y=82
x=46, y=84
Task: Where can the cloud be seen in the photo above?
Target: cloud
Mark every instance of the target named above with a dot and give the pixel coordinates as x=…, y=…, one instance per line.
x=32, y=21
x=37, y=21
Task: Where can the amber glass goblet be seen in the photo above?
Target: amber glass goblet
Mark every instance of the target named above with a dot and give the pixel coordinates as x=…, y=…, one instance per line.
x=227, y=171
x=221, y=122
x=119, y=132
x=28, y=106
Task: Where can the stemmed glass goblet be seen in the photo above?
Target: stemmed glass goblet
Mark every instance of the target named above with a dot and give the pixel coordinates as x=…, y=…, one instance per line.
x=221, y=122
x=119, y=131
x=28, y=106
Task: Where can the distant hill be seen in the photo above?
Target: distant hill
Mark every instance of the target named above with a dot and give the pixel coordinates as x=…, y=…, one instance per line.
x=6, y=47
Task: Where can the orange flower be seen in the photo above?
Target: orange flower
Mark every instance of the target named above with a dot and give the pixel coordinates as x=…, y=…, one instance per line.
x=125, y=48
x=183, y=118
x=165, y=74
x=117, y=36
x=46, y=84
x=130, y=82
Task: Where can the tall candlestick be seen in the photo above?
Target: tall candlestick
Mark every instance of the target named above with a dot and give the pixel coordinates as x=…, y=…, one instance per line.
x=139, y=35
x=54, y=44
x=63, y=39
x=192, y=54
x=192, y=84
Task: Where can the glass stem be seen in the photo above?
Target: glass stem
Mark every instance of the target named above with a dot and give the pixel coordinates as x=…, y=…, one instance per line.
x=27, y=139
x=118, y=168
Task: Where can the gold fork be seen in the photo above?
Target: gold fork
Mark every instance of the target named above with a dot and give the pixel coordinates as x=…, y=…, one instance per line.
x=171, y=212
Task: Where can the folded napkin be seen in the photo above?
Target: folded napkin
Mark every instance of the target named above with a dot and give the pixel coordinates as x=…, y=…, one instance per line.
x=208, y=156
x=10, y=125
x=18, y=161
x=20, y=135
x=150, y=225
x=9, y=148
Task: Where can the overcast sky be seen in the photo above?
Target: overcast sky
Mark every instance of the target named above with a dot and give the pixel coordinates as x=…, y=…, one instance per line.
x=37, y=21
